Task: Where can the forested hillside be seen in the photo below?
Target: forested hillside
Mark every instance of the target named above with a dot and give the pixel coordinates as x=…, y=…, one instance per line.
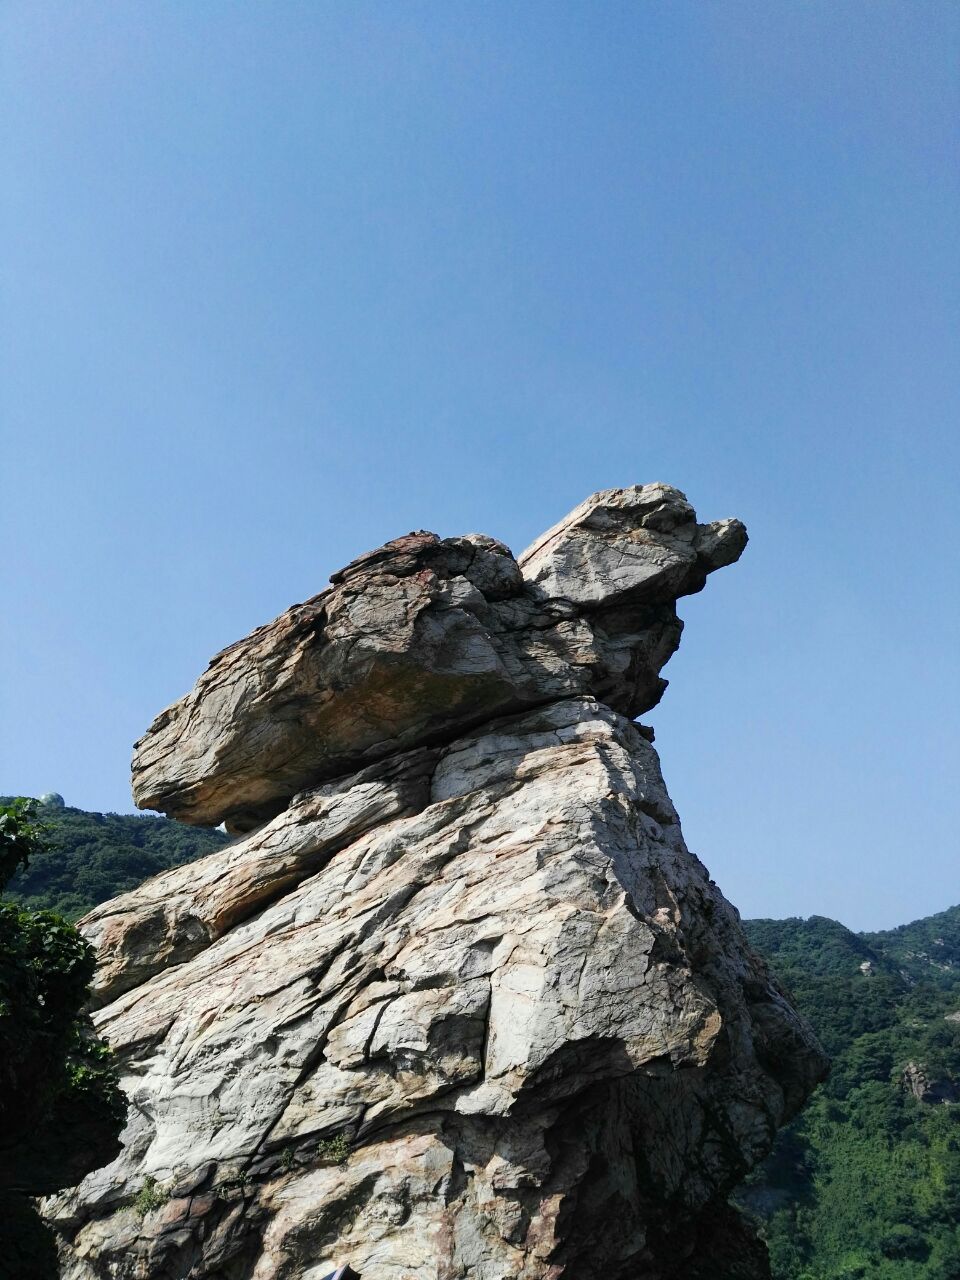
x=865, y=1185
x=95, y=856
x=927, y=950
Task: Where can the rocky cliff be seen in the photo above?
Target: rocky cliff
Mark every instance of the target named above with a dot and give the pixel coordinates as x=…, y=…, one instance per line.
x=458, y=1002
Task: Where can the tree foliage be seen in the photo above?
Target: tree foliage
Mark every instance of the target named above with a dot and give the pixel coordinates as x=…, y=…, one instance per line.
x=61, y=1109
x=21, y=836
x=865, y=1184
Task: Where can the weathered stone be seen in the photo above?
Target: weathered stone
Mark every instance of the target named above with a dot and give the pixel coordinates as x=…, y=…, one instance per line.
x=173, y=916
x=425, y=637
x=637, y=545
x=916, y=1078
x=471, y=1009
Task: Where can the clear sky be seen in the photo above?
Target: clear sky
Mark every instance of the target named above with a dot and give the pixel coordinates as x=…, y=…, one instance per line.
x=284, y=280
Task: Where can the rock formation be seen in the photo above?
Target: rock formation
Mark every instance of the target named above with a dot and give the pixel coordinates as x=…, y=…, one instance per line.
x=459, y=1002
x=918, y=1079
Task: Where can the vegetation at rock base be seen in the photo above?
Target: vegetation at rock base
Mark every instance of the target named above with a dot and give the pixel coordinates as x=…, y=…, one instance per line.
x=865, y=1184
x=95, y=856
x=61, y=1109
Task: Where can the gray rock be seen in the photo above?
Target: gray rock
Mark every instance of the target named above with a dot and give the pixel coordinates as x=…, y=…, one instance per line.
x=636, y=545
x=425, y=637
x=471, y=1008
x=917, y=1079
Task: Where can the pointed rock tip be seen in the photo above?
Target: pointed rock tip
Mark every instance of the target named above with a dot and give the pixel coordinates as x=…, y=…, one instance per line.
x=641, y=544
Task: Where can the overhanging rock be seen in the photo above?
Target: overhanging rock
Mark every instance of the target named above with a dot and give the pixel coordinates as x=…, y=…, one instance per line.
x=460, y=1003
x=428, y=636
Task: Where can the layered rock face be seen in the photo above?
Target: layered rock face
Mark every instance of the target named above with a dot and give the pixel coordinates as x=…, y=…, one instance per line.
x=460, y=1002
x=426, y=636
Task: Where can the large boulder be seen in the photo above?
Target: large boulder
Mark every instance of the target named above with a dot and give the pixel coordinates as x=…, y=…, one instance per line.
x=425, y=637
x=464, y=1005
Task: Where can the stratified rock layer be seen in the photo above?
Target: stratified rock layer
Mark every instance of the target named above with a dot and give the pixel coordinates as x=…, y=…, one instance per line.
x=466, y=1006
x=424, y=637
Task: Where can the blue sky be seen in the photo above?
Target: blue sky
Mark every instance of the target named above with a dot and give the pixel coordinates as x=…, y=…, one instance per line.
x=282, y=281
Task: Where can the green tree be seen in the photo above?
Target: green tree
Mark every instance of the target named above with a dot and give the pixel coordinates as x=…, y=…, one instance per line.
x=866, y=1181
x=21, y=836
x=61, y=1108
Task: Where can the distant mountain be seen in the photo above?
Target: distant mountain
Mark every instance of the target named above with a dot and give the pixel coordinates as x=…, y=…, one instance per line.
x=95, y=856
x=865, y=1184
x=819, y=946
x=927, y=950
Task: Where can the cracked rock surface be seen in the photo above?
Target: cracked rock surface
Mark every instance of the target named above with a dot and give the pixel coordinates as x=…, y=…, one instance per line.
x=459, y=1003
x=427, y=636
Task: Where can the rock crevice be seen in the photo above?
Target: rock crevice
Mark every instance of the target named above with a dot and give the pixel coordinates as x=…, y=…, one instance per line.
x=459, y=1002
